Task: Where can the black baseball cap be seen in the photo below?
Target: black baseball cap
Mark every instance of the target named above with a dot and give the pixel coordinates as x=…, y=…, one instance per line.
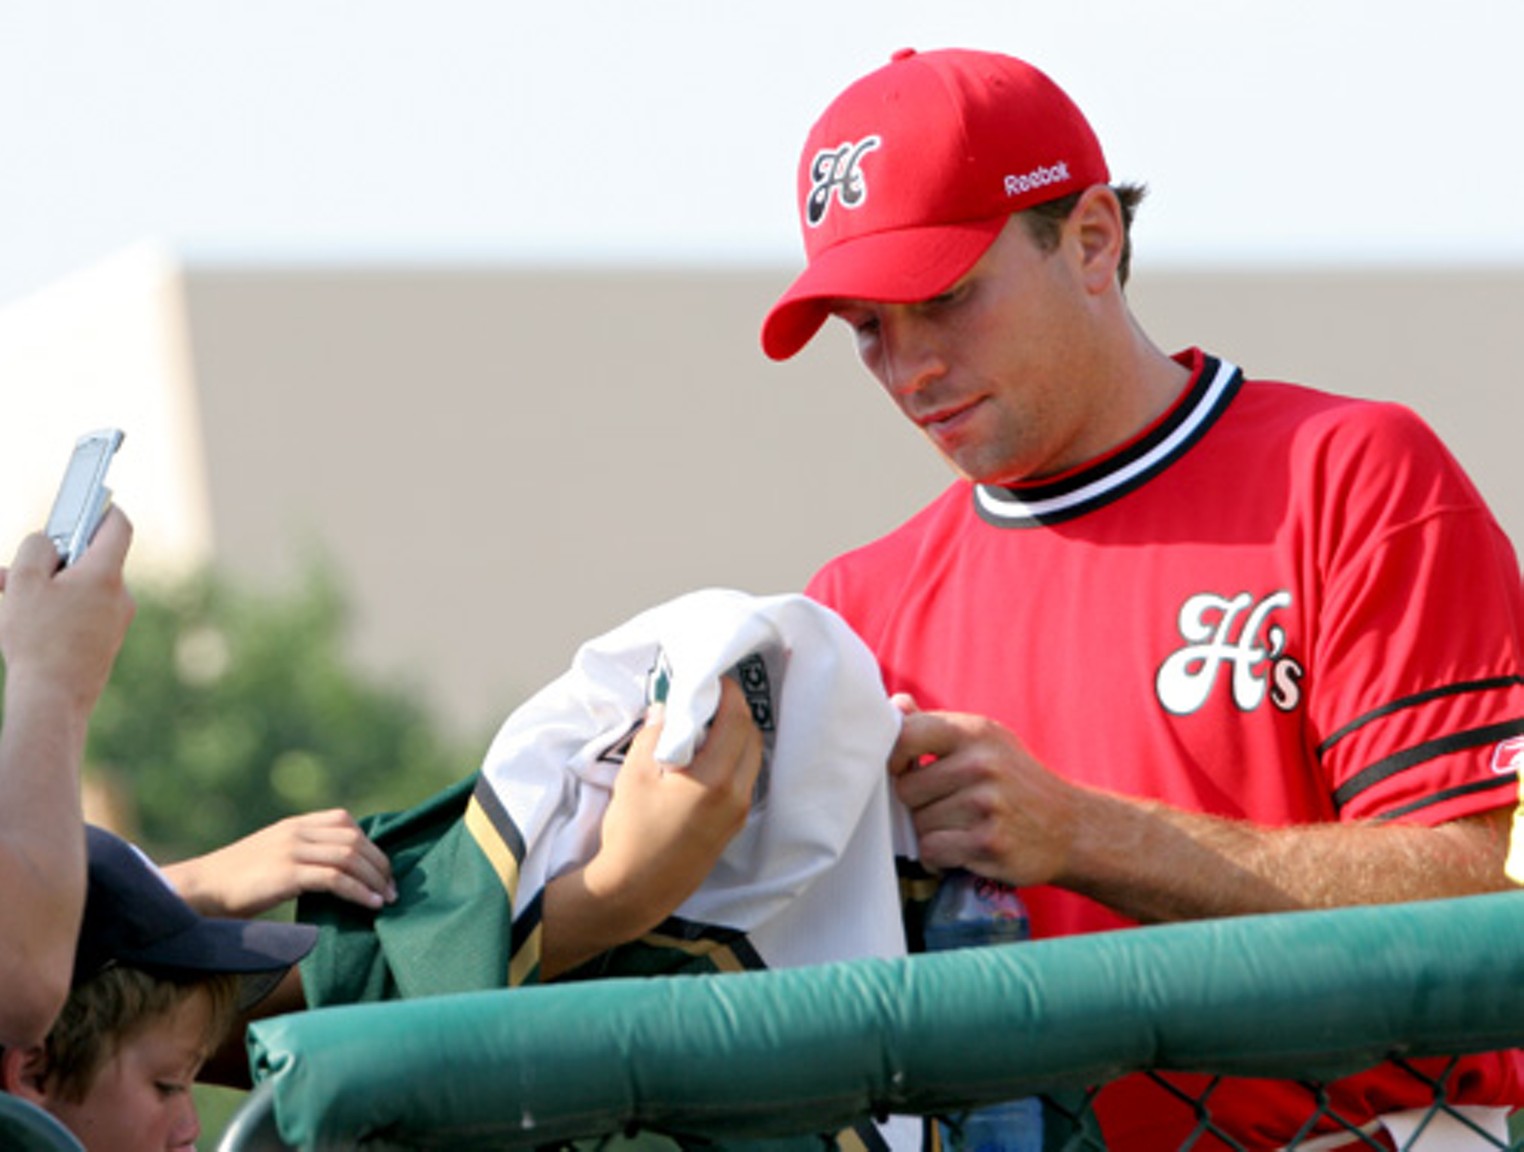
x=134, y=918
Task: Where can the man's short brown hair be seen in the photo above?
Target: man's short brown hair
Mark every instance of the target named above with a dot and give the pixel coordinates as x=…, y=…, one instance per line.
x=1044, y=220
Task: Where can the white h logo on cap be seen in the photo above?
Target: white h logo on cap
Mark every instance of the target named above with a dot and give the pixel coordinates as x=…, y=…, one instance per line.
x=837, y=171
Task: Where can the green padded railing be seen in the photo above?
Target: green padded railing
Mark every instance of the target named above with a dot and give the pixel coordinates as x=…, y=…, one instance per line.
x=24, y=1127
x=1310, y=996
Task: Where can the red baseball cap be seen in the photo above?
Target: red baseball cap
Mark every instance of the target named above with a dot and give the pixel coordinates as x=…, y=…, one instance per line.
x=911, y=173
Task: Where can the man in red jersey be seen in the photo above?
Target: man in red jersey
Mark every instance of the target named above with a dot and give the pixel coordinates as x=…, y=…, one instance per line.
x=1178, y=643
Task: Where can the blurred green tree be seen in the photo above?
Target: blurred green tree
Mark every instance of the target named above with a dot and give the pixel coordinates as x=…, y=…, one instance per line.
x=229, y=709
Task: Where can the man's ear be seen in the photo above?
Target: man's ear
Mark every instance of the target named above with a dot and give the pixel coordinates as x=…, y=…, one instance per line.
x=1096, y=222
x=23, y=1073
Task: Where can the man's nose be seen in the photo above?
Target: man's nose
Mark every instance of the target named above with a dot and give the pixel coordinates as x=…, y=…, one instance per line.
x=912, y=354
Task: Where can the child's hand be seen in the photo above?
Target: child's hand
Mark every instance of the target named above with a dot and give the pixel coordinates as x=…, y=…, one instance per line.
x=314, y=852
x=664, y=830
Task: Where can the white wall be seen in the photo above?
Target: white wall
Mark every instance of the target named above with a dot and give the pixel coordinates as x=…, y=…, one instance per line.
x=106, y=347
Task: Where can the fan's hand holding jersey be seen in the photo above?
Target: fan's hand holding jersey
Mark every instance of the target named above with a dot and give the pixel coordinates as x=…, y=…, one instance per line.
x=1275, y=604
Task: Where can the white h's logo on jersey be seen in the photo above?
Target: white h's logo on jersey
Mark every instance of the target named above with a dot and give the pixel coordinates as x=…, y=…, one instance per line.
x=1255, y=650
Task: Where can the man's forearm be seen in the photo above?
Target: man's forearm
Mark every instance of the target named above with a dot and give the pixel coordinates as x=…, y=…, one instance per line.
x=1155, y=863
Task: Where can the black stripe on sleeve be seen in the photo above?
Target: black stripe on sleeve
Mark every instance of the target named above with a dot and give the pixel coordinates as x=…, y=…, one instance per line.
x=1390, y=766
x=1414, y=701
x=1507, y=780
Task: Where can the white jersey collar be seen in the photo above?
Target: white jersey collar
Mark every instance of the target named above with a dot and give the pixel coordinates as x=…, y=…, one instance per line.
x=1212, y=387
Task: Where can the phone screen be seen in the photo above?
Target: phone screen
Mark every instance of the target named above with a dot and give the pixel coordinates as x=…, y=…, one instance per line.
x=82, y=495
x=78, y=485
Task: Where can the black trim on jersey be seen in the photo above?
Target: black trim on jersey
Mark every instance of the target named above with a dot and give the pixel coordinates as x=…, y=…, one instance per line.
x=1506, y=780
x=1053, y=502
x=872, y=1139
x=690, y=935
x=1390, y=766
x=1415, y=700
x=526, y=921
x=507, y=831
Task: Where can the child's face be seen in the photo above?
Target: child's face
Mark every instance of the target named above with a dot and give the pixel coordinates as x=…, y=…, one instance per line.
x=141, y=1098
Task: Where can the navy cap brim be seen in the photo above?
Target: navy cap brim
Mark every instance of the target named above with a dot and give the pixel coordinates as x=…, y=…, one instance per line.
x=133, y=917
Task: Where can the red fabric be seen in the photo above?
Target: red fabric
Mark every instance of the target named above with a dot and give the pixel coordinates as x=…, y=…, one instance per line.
x=1277, y=605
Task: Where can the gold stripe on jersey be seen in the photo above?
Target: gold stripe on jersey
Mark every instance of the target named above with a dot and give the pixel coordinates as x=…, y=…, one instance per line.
x=492, y=844
x=721, y=951
x=864, y=1137
x=918, y=884
x=497, y=844
x=524, y=964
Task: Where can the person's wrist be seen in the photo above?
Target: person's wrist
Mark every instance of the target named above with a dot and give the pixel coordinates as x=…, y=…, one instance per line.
x=622, y=908
x=43, y=692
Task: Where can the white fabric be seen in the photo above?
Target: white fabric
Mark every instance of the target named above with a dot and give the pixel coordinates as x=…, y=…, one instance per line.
x=811, y=877
x=1417, y=1131
x=1445, y=1133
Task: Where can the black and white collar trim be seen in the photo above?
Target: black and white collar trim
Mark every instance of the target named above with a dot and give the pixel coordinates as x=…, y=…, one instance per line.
x=1109, y=479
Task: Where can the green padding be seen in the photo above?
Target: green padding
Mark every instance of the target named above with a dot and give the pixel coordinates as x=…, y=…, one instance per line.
x=24, y=1127
x=811, y=1050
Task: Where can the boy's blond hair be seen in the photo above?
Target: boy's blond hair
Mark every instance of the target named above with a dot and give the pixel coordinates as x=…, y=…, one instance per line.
x=112, y=1007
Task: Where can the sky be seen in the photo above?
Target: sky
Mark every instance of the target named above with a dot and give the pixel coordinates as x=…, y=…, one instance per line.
x=666, y=132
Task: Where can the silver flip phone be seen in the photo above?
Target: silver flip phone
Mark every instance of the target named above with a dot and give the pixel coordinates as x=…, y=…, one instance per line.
x=83, y=496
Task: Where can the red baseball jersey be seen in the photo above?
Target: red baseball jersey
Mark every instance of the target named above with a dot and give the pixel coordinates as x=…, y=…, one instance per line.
x=1274, y=604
